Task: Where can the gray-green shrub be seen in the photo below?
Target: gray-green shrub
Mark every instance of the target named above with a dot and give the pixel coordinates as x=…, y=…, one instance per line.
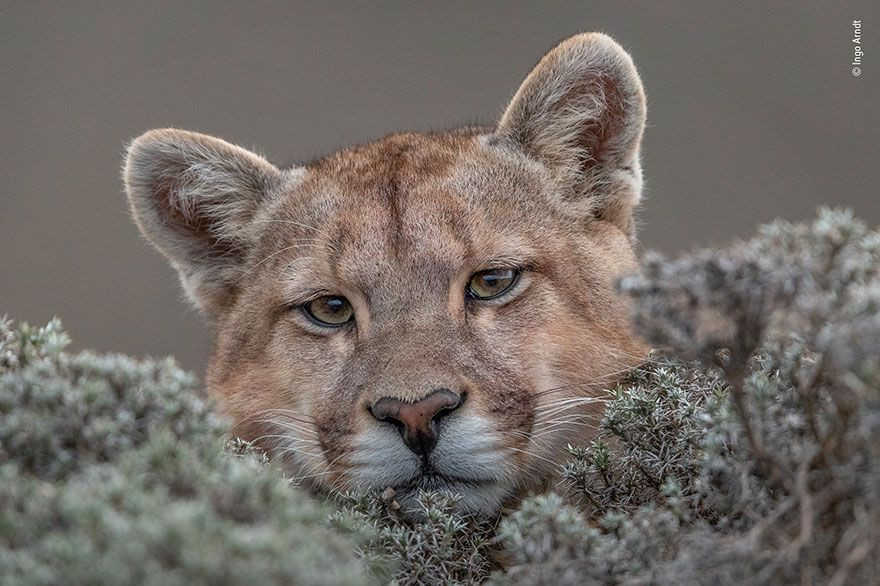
x=757, y=463
x=112, y=471
x=746, y=450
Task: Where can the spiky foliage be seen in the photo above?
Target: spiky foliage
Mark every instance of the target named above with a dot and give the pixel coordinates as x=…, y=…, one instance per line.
x=760, y=462
x=63, y=411
x=747, y=450
x=112, y=471
x=649, y=442
x=432, y=544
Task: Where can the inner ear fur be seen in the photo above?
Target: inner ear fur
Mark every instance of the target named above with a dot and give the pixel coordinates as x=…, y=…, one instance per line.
x=581, y=113
x=193, y=196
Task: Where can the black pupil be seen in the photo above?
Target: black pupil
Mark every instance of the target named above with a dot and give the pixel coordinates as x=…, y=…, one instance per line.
x=496, y=279
x=333, y=305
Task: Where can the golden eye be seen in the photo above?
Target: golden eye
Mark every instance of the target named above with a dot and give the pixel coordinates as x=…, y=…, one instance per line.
x=329, y=311
x=492, y=283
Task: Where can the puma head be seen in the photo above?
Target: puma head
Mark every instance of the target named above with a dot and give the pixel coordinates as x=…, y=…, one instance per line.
x=427, y=311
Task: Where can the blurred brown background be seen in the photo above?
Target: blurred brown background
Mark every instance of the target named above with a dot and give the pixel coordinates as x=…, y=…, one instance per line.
x=753, y=114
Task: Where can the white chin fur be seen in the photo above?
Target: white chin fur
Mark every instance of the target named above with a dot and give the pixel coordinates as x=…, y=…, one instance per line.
x=467, y=461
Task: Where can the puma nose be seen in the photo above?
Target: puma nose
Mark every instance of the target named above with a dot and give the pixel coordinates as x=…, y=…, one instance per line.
x=416, y=421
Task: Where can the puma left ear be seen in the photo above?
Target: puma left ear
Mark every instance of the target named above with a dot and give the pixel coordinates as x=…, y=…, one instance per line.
x=581, y=113
x=194, y=197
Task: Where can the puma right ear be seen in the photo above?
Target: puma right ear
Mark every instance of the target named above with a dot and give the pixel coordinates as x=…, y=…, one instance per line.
x=193, y=197
x=581, y=112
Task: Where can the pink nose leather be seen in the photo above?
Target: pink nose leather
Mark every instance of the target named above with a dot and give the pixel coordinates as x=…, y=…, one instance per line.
x=416, y=421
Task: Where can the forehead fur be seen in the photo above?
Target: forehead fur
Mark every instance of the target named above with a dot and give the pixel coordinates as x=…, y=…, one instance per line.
x=413, y=201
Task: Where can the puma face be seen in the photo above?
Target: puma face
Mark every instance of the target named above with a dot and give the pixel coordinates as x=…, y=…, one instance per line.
x=428, y=311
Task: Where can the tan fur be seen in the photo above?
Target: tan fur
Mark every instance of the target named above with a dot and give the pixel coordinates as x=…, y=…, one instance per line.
x=398, y=227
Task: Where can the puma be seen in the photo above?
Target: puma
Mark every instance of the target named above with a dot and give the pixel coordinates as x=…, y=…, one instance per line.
x=428, y=311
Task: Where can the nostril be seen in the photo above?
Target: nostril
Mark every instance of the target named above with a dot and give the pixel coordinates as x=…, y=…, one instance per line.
x=393, y=421
x=386, y=410
x=451, y=402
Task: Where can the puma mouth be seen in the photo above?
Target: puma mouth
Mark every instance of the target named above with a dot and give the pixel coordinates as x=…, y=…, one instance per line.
x=435, y=480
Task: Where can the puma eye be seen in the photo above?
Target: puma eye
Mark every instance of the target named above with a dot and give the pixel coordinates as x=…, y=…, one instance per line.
x=329, y=311
x=492, y=283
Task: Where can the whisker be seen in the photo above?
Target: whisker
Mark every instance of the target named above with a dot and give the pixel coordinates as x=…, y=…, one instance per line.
x=545, y=413
x=295, y=415
x=292, y=427
x=577, y=417
x=532, y=454
x=274, y=254
x=579, y=400
x=281, y=436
